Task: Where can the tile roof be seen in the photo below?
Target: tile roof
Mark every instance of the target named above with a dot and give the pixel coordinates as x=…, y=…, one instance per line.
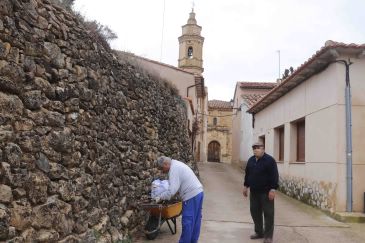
x=125, y=54
x=315, y=64
x=199, y=79
x=257, y=85
x=219, y=104
x=251, y=99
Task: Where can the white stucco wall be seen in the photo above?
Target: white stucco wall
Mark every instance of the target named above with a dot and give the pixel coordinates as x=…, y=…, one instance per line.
x=247, y=135
x=357, y=81
x=320, y=100
x=237, y=135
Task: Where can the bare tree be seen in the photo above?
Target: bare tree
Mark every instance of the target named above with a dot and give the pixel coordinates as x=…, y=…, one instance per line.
x=286, y=73
x=64, y=3
x=291, y=70
x=100, y=33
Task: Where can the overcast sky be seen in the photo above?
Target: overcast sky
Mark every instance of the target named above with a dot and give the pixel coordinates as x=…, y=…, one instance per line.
x=241, y=36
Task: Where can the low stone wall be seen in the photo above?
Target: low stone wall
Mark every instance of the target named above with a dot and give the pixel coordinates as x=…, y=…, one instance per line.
x=78, y=130
x=316, y=193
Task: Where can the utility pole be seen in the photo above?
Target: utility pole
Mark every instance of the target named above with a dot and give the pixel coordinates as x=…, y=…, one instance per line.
x=163, y=27
x=279, y=62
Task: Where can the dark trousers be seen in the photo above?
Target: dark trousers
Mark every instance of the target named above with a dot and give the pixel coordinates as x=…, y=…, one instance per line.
x=260, y=205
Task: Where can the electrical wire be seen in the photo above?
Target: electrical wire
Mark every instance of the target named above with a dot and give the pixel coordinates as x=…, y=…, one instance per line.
x=216, y=116
x=163, y=27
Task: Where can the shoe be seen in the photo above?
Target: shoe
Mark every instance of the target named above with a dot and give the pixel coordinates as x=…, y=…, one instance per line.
x=267, y=240
x=256, y=236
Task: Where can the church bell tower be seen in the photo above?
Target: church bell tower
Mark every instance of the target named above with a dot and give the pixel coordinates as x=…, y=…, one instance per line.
x=191, y=46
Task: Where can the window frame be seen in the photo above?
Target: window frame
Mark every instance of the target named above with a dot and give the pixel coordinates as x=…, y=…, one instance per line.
x=190, y=52
x=215, y=121
x=279, y=140
x=300, y=141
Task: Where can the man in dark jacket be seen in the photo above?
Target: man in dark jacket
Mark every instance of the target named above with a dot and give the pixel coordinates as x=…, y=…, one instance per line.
x=261, y=176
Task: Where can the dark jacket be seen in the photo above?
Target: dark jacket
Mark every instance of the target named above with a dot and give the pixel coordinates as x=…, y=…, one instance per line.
x=261, y=175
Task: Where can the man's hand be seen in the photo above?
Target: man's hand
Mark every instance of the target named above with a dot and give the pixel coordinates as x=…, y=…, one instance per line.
x=157, y=199
x=245, y=191
x=271, y=195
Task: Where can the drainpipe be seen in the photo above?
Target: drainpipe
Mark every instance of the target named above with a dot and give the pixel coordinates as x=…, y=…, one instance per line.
x=348, y=106
x=187, y=89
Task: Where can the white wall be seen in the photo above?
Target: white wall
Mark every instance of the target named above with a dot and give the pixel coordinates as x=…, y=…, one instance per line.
x=321, y=101
x=247, y=135
x=315, y=99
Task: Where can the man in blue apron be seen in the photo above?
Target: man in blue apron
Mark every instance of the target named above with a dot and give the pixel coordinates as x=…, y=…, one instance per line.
x=183, y=180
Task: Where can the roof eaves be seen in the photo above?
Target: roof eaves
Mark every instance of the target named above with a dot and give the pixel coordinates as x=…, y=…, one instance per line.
x=317, y=63
x=152, y=61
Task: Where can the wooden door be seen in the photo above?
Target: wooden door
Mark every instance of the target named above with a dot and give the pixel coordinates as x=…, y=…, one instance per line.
x=214, y=151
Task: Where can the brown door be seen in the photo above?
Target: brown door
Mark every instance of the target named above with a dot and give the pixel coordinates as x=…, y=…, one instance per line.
x=214, y=151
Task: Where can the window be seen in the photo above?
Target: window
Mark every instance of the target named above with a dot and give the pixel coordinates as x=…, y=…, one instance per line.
x=301, y=141
x=215, y=121
x=279, y=143
x=190, y=52
x=297, y=141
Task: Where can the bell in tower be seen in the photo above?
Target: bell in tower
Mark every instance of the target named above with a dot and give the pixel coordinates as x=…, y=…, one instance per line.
x=191, y=46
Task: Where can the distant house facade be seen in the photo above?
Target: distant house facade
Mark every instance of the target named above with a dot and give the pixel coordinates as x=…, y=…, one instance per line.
x=245, y=95
x=219, y=131
x=188, y=80
x=302, y=122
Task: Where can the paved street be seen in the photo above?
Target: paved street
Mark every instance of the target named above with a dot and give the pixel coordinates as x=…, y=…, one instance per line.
x=226, y=216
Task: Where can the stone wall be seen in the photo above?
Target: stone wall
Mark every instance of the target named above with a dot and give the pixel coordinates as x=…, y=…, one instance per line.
x=316, y=193
x=78, y=130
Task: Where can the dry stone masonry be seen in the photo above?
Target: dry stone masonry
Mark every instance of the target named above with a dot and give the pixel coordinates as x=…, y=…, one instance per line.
x=78, y=130
x=318, y=194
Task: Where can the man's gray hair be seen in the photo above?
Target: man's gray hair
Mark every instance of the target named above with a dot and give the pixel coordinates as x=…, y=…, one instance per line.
x=160, y=160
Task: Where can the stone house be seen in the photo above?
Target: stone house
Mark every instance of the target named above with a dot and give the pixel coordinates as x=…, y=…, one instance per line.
x=245, y=95
x=187, y=78
x=219, y=136
x=303, y=124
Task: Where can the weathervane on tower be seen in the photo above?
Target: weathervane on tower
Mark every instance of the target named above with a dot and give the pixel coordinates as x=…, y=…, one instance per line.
x=193, y=5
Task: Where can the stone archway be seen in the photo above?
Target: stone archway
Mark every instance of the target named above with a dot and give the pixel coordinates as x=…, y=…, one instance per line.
x=214, y=151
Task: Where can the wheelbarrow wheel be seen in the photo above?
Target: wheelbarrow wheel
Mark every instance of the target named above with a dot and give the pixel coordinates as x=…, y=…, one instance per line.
x=152, y=225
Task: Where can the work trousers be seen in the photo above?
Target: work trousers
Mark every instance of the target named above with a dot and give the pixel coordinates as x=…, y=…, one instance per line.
x=191, y=219
x=260, y=205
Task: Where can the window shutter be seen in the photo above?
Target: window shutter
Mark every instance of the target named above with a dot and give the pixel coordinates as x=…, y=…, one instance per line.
x=301, y=141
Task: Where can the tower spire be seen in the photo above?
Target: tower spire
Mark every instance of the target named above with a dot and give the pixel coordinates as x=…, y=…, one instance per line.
x=191, y=46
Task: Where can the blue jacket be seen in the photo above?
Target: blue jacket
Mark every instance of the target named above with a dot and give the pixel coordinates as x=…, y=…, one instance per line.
x=261, y=175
